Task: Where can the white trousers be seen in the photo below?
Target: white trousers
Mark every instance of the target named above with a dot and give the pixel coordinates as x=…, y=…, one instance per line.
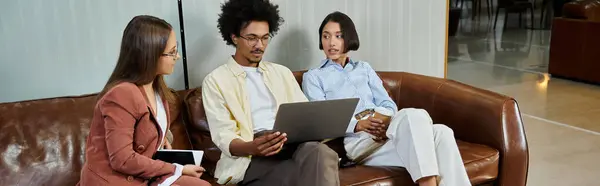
x=416, y=144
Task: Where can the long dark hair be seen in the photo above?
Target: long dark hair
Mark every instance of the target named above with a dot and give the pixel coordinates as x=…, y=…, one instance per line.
x=144, y=40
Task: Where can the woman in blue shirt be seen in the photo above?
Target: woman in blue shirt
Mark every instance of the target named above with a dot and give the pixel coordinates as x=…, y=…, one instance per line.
x=428, y=151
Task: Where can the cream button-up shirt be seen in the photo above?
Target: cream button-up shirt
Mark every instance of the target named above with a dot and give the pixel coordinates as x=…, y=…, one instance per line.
x=228, y=110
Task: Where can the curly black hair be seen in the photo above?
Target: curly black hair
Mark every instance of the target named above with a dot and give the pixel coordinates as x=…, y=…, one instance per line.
x=237, y=14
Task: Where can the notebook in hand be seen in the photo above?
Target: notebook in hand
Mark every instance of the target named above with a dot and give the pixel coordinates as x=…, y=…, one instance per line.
x=182, y=157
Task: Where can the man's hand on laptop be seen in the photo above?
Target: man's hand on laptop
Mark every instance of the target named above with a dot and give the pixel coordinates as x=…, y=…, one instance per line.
x=267, y=143
x=373, y=126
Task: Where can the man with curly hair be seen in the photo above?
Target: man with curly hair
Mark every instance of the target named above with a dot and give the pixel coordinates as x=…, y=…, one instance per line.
x=241, y=99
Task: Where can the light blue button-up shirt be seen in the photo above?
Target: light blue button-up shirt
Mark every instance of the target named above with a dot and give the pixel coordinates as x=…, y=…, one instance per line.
x=356, y=80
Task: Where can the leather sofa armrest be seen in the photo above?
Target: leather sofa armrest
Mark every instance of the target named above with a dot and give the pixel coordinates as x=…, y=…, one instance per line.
x=475, y=115
x=487, y=118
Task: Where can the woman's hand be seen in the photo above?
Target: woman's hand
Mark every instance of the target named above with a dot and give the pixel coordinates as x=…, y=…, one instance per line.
x=167, y=145
x=373, y=126
x=192, y=170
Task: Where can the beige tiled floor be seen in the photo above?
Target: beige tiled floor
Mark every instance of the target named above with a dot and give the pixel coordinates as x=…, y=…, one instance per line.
x=561, y=117
x=558, y=100
x=561, y=155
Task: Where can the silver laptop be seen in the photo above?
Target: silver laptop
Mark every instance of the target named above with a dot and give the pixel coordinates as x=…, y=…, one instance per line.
x=316, y=120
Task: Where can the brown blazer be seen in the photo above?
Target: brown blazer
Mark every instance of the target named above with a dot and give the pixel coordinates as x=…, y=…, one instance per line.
x=124, y=134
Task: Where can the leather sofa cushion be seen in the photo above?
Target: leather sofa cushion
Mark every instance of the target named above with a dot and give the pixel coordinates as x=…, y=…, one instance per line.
x=481, y=163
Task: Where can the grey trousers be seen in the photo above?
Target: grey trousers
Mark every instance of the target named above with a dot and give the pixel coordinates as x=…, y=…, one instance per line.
x=310, y=163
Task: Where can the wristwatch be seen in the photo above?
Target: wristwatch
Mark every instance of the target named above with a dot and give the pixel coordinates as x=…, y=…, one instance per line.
x=364, y=113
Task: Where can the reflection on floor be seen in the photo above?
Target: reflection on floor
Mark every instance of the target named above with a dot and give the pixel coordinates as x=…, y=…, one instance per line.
x=561, y=117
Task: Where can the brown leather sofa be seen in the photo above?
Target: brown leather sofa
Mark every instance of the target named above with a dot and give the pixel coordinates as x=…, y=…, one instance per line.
x=575, y=42
x=42, y=141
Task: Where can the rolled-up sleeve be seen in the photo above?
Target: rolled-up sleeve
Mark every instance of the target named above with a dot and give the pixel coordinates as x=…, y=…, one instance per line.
x=221, y=124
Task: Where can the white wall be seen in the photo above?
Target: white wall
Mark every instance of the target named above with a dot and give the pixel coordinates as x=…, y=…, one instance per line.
x=395, y=35
x=68, y=47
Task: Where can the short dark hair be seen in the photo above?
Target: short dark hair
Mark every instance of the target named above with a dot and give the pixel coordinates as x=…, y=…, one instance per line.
x=237, y=14
x=349, y=34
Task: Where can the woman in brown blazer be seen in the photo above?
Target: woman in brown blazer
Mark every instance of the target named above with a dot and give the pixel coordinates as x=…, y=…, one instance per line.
x=131, y=116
